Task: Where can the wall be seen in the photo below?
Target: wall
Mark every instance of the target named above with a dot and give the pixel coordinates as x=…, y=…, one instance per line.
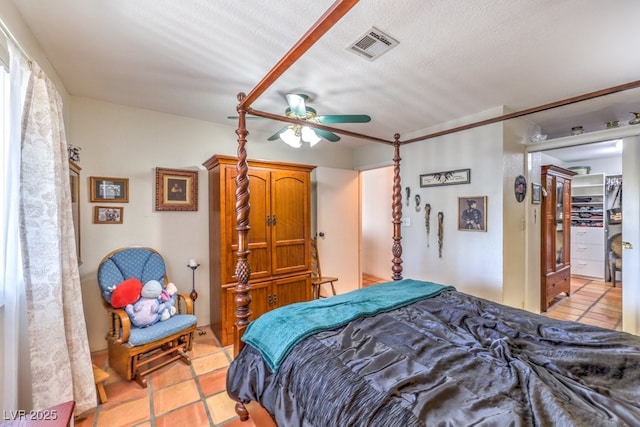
x=377, y=226
x=472, y=261
x=514, y=214
x=124, y=142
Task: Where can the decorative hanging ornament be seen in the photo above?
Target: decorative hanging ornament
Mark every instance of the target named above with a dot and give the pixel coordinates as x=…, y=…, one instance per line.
x=520, y=188
x=440, y=233
x=418, y=203
x=408, y=191
x=427, y=220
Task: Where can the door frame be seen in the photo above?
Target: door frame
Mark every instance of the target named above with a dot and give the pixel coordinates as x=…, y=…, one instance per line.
x=630, y=296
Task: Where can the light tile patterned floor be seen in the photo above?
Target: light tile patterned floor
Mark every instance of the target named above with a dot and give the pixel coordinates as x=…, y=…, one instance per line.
x=181, y=395
x=592, y=302
x=177, y=395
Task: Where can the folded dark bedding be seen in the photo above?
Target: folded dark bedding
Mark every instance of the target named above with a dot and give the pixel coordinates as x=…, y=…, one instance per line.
x=450, y=360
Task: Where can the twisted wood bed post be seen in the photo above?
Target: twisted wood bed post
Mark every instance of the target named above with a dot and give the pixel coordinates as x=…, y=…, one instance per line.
x=243, y=269
x=396, y=209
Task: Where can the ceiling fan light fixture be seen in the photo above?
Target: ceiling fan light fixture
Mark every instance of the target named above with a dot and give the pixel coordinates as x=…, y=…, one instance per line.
x=291, y=138
x=308, y=135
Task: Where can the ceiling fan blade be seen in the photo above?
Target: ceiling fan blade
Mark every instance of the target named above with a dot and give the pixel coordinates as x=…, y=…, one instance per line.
x=344, y=118
x=277, y=134
x=329, y=136
x=297, y=104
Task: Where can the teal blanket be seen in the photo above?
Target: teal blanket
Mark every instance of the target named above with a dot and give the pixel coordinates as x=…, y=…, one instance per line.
x=276, y=332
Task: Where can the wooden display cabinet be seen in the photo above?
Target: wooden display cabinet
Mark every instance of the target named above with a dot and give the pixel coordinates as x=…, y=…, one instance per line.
x=556, y=234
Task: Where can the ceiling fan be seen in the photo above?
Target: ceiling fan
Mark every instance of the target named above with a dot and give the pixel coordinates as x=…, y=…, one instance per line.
x=295, y=134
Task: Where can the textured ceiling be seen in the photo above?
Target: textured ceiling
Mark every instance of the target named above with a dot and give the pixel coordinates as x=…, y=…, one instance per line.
x=455, y=58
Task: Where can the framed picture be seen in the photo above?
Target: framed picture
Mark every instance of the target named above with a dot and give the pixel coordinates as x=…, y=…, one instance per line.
x=176, y=190
x=460, y=176
x=107, y=215
x=472, y=213
x=109, y=190
x=536, y=193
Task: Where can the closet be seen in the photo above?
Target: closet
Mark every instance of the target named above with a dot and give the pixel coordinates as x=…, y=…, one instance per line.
x=278, y=241
x=556, y=234
x=587, y=225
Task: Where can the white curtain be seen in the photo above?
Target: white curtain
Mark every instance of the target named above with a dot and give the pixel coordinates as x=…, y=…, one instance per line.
x=58, y=346
x=14, y=320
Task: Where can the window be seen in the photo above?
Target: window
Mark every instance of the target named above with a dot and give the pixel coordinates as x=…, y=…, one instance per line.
x=4, y=142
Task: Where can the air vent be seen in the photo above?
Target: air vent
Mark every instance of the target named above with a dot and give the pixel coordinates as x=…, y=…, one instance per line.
x=373, y=44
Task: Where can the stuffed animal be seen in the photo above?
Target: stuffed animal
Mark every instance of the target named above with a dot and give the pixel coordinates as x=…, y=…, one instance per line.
x=169, y=297
x=127, y=292
x=148, y=309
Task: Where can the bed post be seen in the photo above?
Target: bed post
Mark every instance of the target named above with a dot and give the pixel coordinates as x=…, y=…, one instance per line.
x=243, y=270
x=396, y=209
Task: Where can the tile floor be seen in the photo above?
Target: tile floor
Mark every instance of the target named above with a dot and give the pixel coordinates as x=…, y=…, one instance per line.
x=592, y=302
x=176, y=395
x=181, y=395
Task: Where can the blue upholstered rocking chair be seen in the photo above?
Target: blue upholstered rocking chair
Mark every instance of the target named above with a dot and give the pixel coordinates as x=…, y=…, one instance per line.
x=135, y=352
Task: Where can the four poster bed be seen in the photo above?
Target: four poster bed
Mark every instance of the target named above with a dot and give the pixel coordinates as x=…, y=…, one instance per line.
x=414, y=353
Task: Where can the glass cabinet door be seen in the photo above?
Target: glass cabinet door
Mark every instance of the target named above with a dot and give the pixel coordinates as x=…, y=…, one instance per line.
x=559, y=222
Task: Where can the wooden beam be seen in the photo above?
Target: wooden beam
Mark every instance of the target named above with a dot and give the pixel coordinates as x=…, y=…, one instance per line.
x=556, y=104
x=326, y=21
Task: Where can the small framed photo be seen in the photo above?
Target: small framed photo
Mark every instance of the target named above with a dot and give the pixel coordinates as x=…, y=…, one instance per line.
x=536, y=193
x=109, y=190
x=472, y=213
x=176, y=190
x=107, y=215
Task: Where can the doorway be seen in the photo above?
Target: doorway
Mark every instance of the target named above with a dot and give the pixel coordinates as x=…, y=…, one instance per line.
x=377, y=228
x=610, y=164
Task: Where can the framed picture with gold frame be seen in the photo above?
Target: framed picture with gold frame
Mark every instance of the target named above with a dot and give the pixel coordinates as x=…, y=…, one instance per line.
x=108, y=190
x=74, y=183
x=176, y=190
x=107, y=215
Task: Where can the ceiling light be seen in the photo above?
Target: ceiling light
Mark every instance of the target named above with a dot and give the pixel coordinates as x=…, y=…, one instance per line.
x=290, y=138
x=294, y=135
x=308, y=135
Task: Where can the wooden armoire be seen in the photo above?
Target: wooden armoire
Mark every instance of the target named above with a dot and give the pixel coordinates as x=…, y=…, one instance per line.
x=279, y=238
x=555, y=240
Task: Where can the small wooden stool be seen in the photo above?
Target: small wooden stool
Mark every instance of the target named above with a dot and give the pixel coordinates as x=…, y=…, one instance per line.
x=100, y=377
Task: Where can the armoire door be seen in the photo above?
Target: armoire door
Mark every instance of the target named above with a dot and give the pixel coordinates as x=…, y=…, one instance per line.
x=259, y=221
x=289, y=221
x=291, y=290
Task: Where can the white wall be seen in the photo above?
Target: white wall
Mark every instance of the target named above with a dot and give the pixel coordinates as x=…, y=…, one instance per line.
x=514, y=214
x=471, y=261
x=124, y=142
x=377, y=228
